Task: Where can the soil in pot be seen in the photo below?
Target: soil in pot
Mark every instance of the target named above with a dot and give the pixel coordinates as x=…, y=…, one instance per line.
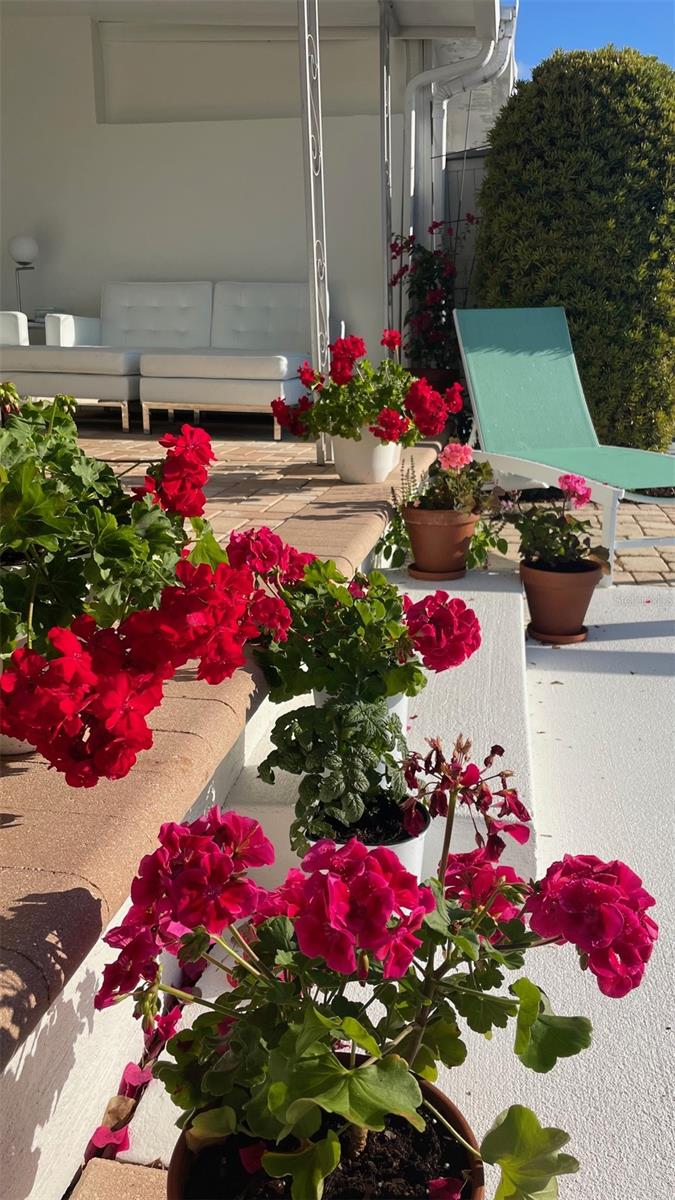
x=558, y=600
x=396, y=1164
x=379, y=826
x=440, y=540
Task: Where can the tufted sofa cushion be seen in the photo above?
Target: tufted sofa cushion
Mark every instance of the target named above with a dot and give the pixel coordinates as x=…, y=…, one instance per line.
x=77, y=360
x=218, y=364
x=168, y=315
x=261, y=316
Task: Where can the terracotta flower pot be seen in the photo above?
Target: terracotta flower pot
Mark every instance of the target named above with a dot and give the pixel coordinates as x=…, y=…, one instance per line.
x=440, y=540
x=182, y=1158
x=558, y=602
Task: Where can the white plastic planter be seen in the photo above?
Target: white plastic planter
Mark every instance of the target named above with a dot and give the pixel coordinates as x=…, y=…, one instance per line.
x=397, y=705
x=367, y=461
x=410, y=852
x=12, y=747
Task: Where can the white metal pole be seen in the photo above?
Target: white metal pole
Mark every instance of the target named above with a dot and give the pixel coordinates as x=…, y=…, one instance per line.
x=386, y=21
x=315, y=212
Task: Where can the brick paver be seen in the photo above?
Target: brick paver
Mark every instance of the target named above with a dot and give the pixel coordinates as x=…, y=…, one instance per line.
x=264, y=483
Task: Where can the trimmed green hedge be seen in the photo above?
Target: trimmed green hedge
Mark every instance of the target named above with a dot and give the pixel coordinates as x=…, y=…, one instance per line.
x=577, y=209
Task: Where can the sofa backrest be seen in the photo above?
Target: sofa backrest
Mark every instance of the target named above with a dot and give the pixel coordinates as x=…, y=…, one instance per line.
x=270, y=317
x=173, y=316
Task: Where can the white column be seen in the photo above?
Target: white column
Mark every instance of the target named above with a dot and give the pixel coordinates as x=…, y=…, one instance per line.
x=315, y=215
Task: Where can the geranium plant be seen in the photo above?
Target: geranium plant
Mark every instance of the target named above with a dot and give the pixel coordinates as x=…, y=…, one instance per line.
x=455, y=482
x=73, y=540
x=349, y=750
x=386, y=400
x=428, y=274
x=353, y=639
x=290, y=1073
x=550, y=535
x=84, y=702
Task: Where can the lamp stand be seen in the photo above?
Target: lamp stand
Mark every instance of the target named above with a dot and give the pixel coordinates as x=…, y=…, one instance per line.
x=17, y=275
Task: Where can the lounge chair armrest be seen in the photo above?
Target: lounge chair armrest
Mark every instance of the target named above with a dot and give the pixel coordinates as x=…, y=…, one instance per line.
x=63, y=329
x=13, y=329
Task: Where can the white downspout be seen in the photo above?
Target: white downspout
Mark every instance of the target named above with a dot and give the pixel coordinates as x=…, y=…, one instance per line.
x=499, y=62
x=435, y=75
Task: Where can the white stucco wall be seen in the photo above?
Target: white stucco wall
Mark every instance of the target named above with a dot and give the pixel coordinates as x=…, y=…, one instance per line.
x=211, y=199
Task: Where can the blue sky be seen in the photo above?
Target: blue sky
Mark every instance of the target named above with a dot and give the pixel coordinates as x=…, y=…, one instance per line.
x=548, y=25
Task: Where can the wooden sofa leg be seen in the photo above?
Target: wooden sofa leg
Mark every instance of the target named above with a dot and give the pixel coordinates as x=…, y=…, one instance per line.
x=277, y=430
x=171, y=414
x=146, y=419
x=124, y=408
x=196, y=414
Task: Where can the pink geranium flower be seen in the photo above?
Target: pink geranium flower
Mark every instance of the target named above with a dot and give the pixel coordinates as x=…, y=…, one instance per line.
x=455, y=456
x=575, y=488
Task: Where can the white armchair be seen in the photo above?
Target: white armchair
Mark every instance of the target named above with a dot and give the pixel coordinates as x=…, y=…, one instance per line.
x=63, y=329
x=13, y=329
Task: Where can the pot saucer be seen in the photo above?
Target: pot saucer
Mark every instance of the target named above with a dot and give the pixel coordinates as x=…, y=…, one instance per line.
x=417, y=574
x=558, y=639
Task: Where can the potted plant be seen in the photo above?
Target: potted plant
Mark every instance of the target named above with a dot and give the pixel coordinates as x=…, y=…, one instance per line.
x=359, y=639
x=438, y=518
x=369, y=412
x=290, y=1074
x=429, y=277
x=361, y=648
x=560, y=568
x=349, y=758
x=83, y=700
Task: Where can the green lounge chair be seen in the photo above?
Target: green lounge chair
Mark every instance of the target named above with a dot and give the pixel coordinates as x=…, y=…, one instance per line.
x=531, y=417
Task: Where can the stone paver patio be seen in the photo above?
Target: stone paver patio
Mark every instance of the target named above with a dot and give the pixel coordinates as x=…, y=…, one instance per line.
x=261, y=482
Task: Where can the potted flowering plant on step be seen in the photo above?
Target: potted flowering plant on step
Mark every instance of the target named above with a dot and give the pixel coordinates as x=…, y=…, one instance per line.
x=560, y=567
x=369, y=412
x=84, y=702
x=360, y=639
x=343, y=992
x=362, y=649
x=438, y=518
x=74, y=542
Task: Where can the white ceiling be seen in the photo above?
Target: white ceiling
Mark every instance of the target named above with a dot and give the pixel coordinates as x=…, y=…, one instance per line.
x=437, y=17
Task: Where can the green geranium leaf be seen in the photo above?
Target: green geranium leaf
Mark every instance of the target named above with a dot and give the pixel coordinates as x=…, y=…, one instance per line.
x=482, y=1011
x=541, y=1036
x=211, y=1126
x=307, y=1167
x=527, y=1155
x=362, y=1095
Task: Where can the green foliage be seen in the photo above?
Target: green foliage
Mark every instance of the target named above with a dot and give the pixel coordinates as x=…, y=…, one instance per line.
x=542, y=1037
x=429, y=278
x=578, y=210
x=352, y=647
x=347, y=755
x=72, y=539
x=308, y=1167
x=550, y=535
x=527, y=1155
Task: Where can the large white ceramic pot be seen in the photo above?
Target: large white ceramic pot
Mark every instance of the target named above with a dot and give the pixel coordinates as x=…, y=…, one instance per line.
x=12, y=747
x=367, y=461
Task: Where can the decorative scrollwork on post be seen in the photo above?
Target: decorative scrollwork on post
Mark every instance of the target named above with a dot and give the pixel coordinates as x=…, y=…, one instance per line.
x=315, y=215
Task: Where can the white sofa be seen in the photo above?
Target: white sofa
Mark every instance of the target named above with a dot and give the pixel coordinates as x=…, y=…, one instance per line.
x=228, y=346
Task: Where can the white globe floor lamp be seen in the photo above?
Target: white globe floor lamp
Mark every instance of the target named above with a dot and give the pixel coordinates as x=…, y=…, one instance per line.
x=24, y=251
